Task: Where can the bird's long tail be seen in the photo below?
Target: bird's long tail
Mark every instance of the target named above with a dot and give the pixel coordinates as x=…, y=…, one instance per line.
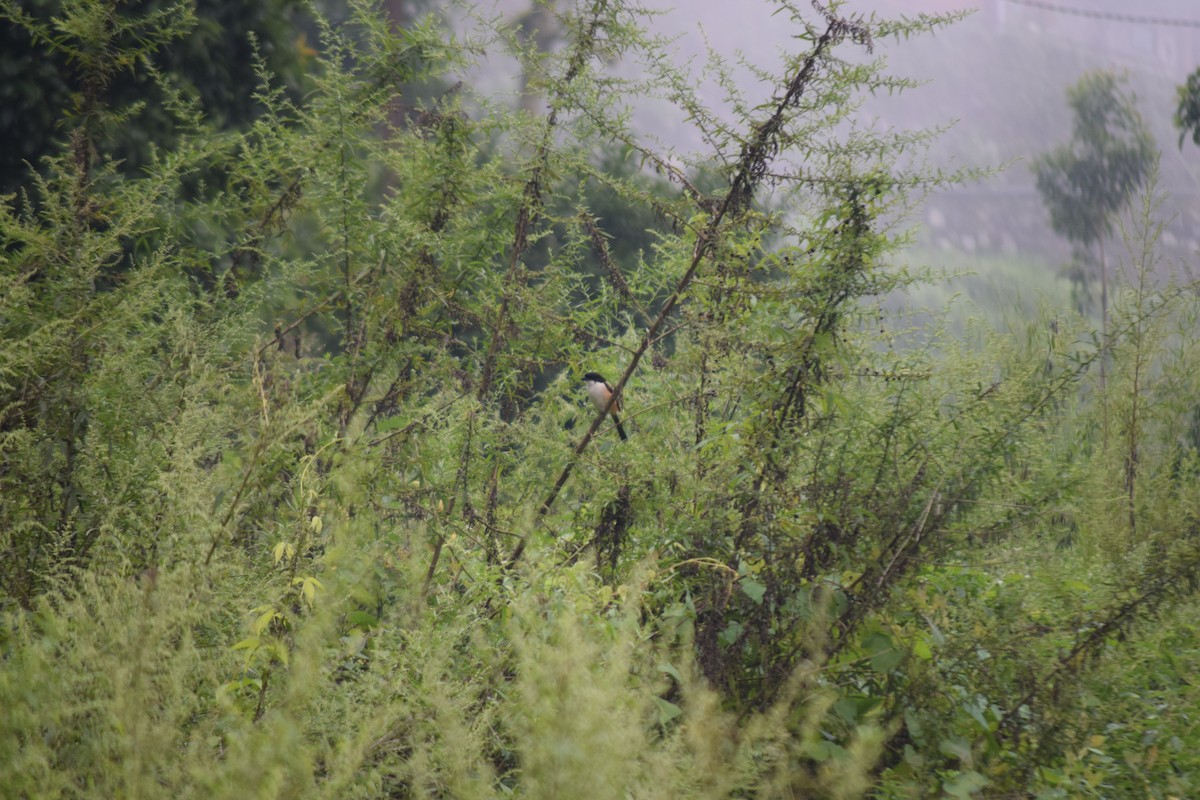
x=620, y=430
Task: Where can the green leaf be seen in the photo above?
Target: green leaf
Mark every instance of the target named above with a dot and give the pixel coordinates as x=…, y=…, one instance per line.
x=732, y=631
x=361, y=619
x=390, y=424
x=670, y=669
x=915, y=728
x=667, y=711
x=753, y=589
x=965, y=784
x=233, y=686
x=885, y=656
x=922, y=650
x=823, y=750
x=847, y=708
x=279, y=652
x=308, y=588
x=284, y=550
x=955, y=747
x=264, y=621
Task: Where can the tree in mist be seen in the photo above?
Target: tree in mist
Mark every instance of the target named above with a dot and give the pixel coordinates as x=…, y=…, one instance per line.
x=1089, y=179
x=1187, y=110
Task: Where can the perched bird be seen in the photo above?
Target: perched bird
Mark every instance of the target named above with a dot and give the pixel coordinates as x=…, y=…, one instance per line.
x=600, y=390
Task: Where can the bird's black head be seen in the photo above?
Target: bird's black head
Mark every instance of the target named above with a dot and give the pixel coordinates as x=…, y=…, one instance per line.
x=594, y=376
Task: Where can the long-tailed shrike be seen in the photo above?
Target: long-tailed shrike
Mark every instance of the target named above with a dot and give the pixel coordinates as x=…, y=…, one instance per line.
x=600, y=390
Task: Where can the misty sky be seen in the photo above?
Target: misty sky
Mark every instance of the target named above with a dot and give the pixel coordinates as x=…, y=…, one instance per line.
x=1000, y=75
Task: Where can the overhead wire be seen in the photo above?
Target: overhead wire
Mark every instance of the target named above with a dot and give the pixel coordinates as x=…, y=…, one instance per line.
x=1111, y=16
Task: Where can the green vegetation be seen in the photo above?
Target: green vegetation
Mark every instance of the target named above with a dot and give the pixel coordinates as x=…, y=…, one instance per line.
x=65, y=64
x=301, y=496
x=1088, y=181
x=1001, y=292
x=1187, y=109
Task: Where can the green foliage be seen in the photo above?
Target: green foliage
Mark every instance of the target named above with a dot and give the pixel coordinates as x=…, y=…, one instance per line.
x=94, y=58
x=1187, y=112
x=301, y=496
x=1087, y=181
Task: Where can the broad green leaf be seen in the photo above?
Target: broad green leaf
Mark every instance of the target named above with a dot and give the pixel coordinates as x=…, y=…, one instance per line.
x=732, y=631
x=284, y=550
x=965, y=784
x=753, y=589
x=361, y=619
x=390, y=424
x=670, y=669
x=264, y=621
x=885, y=656
x=667, y=711
x=922, y=650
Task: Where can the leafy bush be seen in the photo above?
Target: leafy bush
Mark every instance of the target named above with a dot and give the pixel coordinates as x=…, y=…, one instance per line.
x=299, y=500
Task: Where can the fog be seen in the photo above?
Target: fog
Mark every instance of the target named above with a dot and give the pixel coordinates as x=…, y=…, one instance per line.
x=1000, y=76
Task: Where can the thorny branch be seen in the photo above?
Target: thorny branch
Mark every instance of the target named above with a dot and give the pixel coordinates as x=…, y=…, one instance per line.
x=756, y=155
x=531, y=203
